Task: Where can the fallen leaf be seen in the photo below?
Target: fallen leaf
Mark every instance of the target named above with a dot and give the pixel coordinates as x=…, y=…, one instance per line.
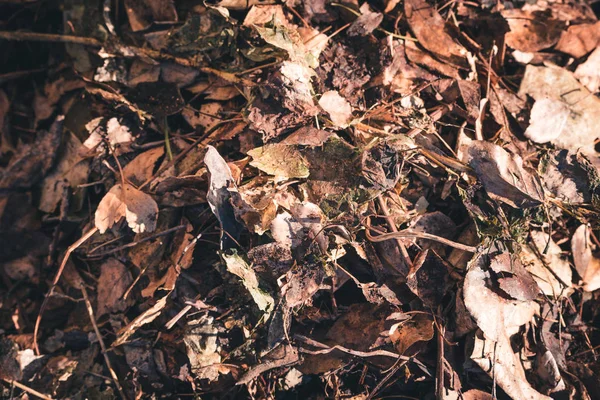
x=503, y=175
x=586, y=264
x=542, y=257
x=221, y=189
x=530, y=31
x=70, y=171
x=558, y=84
x=113, y=282
x=498, y=360
x=143, y=13
x=144, y=318
x=202, y=348
x=578, y=40
x=366, y=23
x=282, y=161
x=142, y=167
x=337, y=107
x=588, y=72
x=431, y=31
x=547, y=120
x=237, y=266
x=139, y=209
x=417, y=328
x=569, y=176
x=495, y=315
x=33, y=161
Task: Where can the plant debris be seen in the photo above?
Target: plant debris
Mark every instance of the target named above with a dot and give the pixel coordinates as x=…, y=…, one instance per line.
x=307, y=199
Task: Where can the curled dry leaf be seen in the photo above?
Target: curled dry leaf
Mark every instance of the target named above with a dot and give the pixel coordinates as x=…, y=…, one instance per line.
x=586, y=264
x=337, y=107
x=503, y=175
x=139, y=209
x=418, y=328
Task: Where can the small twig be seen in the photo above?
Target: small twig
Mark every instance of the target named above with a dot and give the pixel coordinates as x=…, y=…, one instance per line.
x=48, y=37
x=409, y=233
x=71, y=249
x=393, y=228
x=101, y=342
x=128, y=245
x=28, y=389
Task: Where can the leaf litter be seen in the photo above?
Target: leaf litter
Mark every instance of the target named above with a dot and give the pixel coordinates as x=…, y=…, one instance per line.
x=303, y=200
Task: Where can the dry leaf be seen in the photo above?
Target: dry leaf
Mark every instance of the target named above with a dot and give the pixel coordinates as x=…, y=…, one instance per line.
x=141, y=168
x=418, y=328
x=586, y=264
x=530, y=31
x=337, y=107
x=579, y=40
x=237, y=266
x=588, y=72
x=431, y=31
x=139, y=209
x=282, y=161
x=144, y=318
x=113, y=282
x=503, y=175
x=558, y=84
x=547, y=120
x=551, y=272
x=142, y=13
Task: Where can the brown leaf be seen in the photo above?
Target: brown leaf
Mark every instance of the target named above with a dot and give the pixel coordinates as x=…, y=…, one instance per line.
x=418, y=328
x=530, y=31
x=513, y=279
x=337, y=107
x=141, y=168
x=139, y=209
x=142, y=13
x=579, y=40
x=114, y=280
x=430, y=29
x=586, y=264
x=504, y=176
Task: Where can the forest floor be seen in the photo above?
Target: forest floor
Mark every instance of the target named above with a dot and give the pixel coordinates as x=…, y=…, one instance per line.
x=305, y=199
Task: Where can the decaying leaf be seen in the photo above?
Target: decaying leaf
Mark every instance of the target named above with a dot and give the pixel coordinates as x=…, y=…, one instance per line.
x=569, y=176
x=547, y=120
x=33, y=161
x=139, y=209
x=588, y=72
x=416, y=328
x=366, y=23
x=282, y=161
x=237, y=266
x=112, y=130
x=504, y=176
x=201, y=342
x=586, y=264
x=70, y=171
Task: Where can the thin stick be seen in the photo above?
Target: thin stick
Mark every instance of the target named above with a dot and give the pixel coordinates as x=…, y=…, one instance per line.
x=48, y=37
x=101, y=341
x=393, y=228
x=135, y=243
x=28, y=389
x=71, y=249
x=409, y=233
